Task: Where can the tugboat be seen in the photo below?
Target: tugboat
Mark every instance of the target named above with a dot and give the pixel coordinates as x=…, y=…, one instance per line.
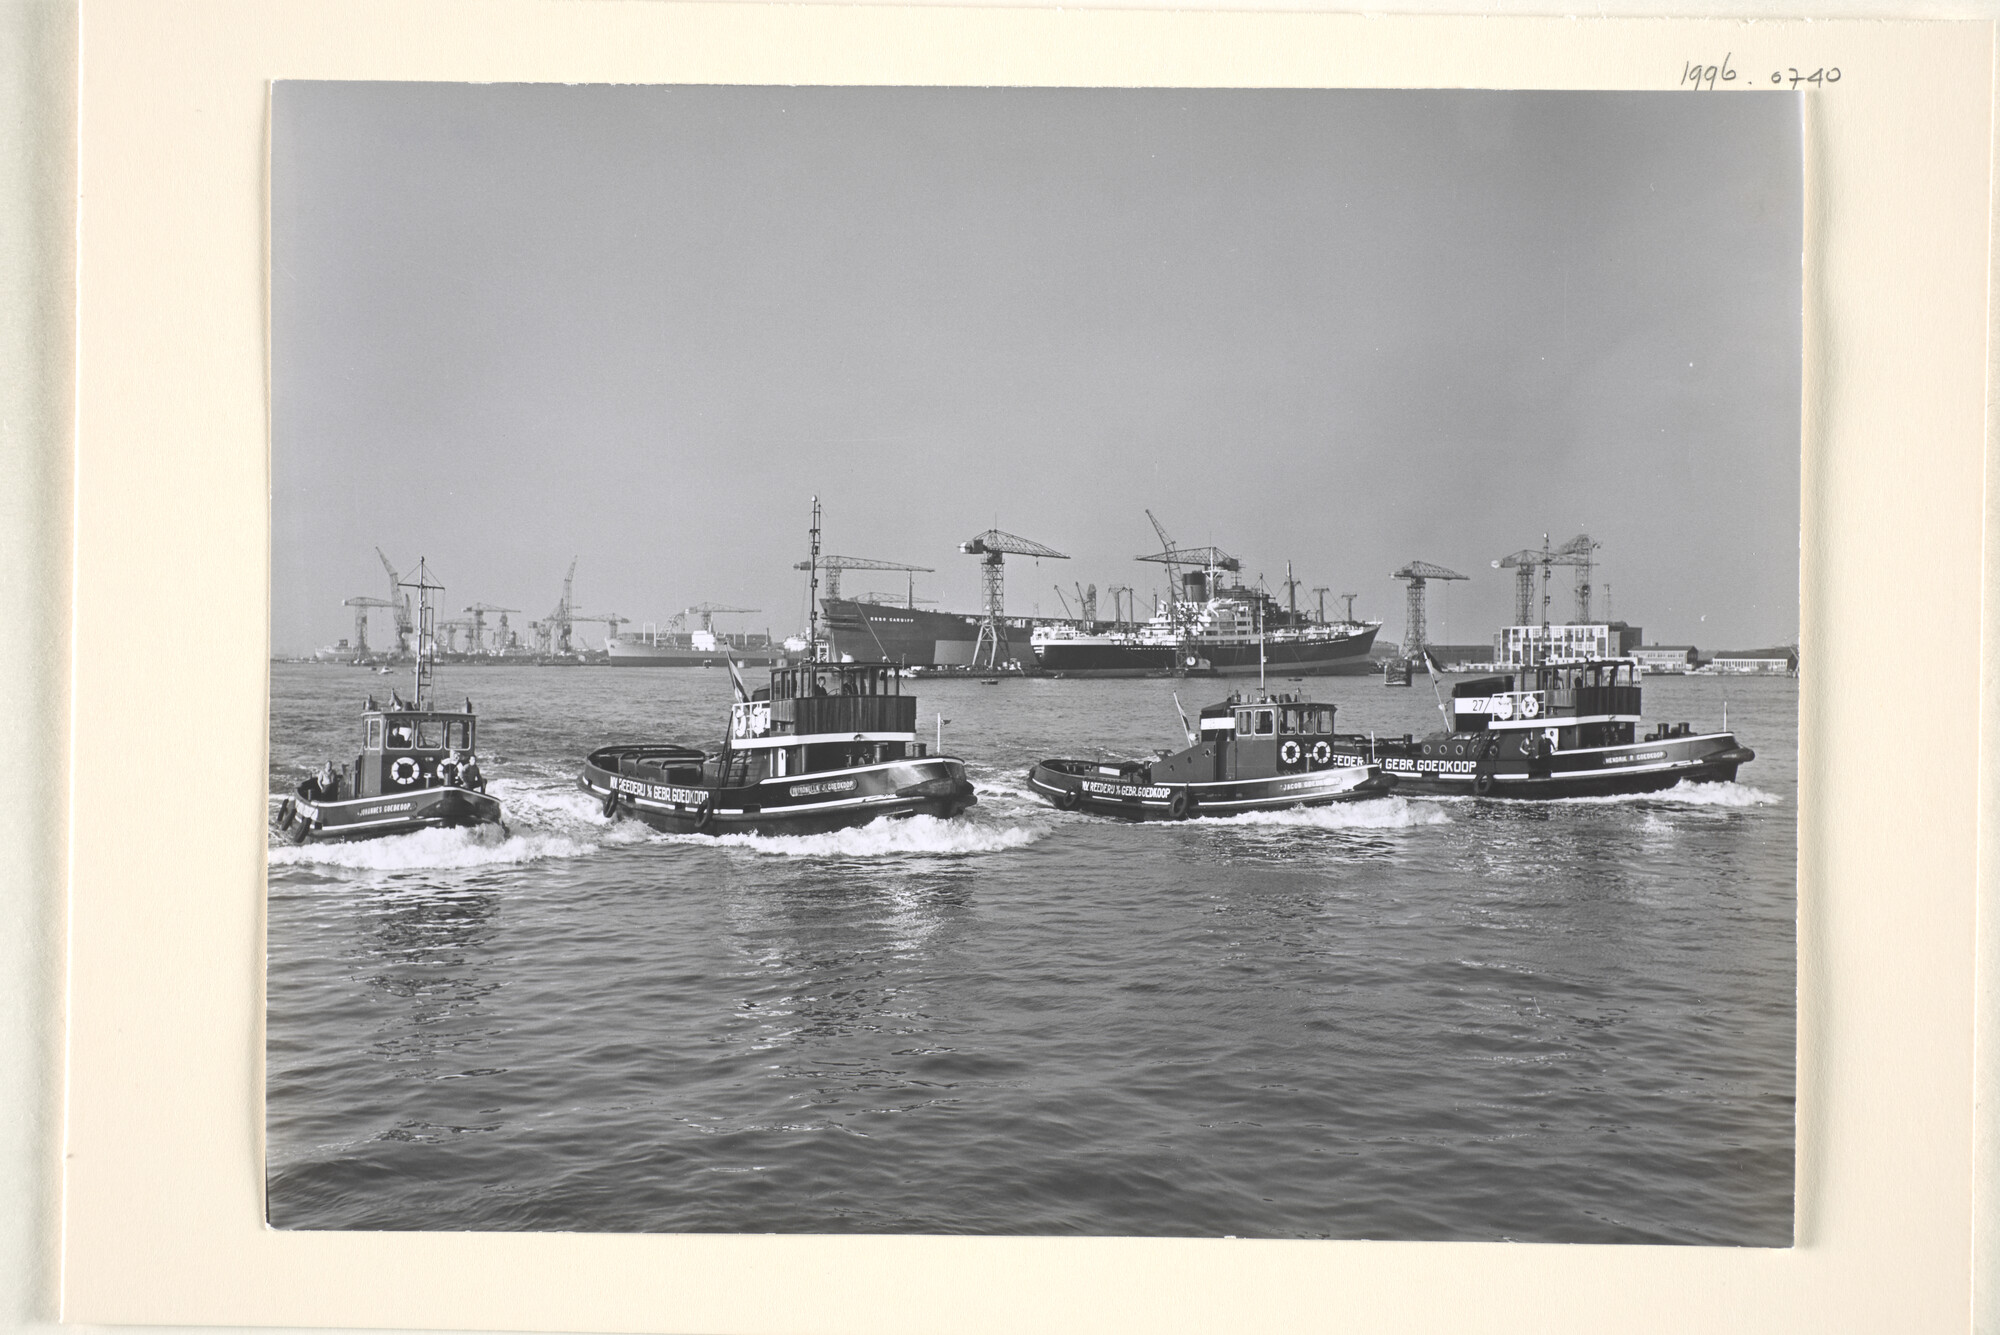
x=1567, y=727
x=1261, y=753
x=417, y=770
x=824, y=747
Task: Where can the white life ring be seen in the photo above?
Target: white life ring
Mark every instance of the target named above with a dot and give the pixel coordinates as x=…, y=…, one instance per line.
x=1502, y=707
x=1192, y=660
x=1289, y=752
x=396, y=770
x=1321, y=753
x=1530, y=706
x=448, y=771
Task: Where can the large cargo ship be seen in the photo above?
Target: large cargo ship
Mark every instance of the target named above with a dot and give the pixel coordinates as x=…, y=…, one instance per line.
x=697, y=648
x=868, y=632
x=1229, y=630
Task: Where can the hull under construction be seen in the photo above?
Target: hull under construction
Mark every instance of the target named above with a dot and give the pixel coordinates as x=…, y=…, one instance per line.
x=865, y=632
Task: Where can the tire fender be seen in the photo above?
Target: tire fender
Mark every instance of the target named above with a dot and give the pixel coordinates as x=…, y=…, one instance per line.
x=1179, y=806
x=1066, y=799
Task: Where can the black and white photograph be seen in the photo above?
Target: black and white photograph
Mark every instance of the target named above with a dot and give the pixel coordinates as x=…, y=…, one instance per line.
x=1034, y=661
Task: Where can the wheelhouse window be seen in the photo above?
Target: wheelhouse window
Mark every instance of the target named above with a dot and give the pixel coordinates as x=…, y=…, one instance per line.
x=1267, y=722
x=374, y=734
x=402, y=734
x=430, y=733
x=458, y=734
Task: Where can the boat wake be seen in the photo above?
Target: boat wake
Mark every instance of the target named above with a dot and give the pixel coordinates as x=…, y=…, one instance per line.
x=544, y=820
x=1686, y=794
x=432, y=850
x=883, y=838
x=1380, y=813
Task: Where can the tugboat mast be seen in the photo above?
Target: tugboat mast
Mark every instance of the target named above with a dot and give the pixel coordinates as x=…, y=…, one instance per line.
x=812, y=594
x=426, y=633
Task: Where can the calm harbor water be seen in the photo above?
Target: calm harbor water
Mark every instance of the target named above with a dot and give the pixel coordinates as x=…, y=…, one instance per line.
x=1408, y=1018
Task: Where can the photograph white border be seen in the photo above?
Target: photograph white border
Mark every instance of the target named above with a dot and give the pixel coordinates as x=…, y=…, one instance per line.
x=162, y=1160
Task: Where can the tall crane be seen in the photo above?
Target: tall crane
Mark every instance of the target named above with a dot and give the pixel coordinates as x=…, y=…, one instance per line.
x=996, y=545
x=706, y=611
x=1524, y=563
x=1578, y=549
x=479, y=611
x=450, y=630
x=833, y=565
x=1417, y=574
x=361, y=606
x=399, y=601
x=1086, y=600
x=611, y=620
x=556, y=625
x=1122, y=597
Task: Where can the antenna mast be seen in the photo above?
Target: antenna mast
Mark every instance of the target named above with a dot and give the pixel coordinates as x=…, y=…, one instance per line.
x=812, y=597
x=426, y=632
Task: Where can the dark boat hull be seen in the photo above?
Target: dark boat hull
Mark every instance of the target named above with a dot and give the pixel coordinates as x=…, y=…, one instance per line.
x=1448, y=765
x=1347, y=656
x=865, y=632
x=1116, y=790
x=308, y=821
x=636, y=781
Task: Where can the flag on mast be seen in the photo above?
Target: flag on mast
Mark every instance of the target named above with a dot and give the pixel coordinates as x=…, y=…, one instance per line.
x=736, y=677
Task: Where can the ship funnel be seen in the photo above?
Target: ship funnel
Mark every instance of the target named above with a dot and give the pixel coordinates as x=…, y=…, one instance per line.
x=1194, y=586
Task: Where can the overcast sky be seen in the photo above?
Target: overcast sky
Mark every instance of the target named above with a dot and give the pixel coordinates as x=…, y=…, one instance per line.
x=643, y=326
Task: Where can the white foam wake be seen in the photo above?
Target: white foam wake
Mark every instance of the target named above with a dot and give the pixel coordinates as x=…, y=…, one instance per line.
x=882, y=838
x=1377, y=813
x=481, y=846
x=1729, y=794
x=542, y=821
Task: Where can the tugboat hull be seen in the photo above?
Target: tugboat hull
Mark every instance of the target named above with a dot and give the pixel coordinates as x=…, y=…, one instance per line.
x=659, y=785
x=1124, y=791
x=1450, y=765
x=306, y=821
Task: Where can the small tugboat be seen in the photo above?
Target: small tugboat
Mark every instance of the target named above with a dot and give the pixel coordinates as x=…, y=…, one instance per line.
x=824, y=747
x=1567, y=727
x=417, y=769
x=1261, y=753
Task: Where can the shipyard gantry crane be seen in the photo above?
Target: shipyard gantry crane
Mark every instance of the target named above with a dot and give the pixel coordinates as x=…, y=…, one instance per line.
x=1417, y=574
x=706, y=611
x=450, y=630
x=995, y=545
x=1122, y=596
x=1574, y=553
x=399, y=601
x=611, y=621
x=479, y=611
x=833, y=565
x=361, y=606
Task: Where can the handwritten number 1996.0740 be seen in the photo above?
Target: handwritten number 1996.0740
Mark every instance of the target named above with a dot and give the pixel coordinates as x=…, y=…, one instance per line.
x=1696, y=75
